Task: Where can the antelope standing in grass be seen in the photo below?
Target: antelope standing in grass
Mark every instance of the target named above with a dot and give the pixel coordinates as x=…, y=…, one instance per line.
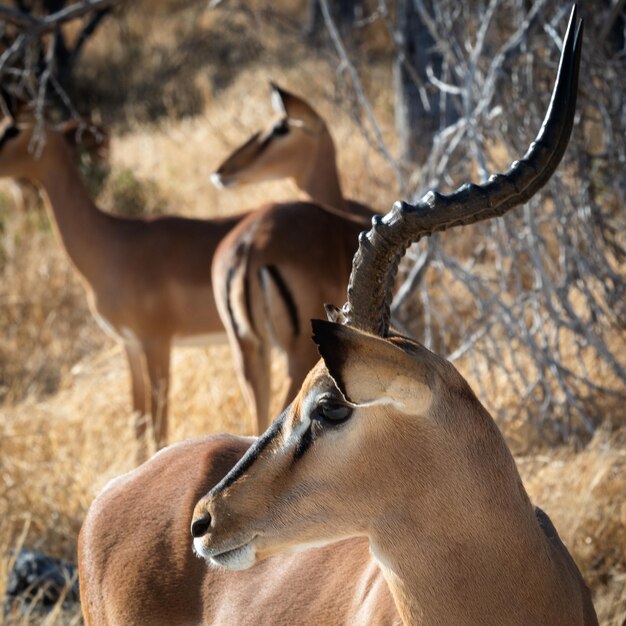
x=148, y=281
x=385, y=444
x=273, y=273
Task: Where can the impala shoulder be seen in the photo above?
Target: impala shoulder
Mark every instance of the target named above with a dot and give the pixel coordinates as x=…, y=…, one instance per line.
x=212, y=452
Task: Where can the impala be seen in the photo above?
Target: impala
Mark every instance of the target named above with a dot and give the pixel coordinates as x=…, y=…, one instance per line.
x=273, y=273
x=295, y=144
x=385, y=444
x=148, y=281
x=386, y=440
x=87, y=140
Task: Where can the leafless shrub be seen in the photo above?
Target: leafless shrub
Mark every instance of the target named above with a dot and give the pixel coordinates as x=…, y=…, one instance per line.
x=36, y=59
x=535, y=301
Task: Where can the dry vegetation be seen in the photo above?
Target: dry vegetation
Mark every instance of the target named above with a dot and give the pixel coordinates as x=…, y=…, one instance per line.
x=65, y=424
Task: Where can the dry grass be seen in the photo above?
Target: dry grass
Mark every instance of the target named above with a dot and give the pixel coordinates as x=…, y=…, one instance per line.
x=65, y=424
x=584, y=495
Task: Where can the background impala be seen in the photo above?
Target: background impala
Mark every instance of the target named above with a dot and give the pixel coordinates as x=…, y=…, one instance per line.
x=147, y=280
x=264, y=289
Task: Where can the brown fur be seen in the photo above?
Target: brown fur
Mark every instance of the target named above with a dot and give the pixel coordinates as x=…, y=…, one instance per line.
x=137, y=567
x=311, y=246
x=421, y=470
x=149, y=280
x=314, y=264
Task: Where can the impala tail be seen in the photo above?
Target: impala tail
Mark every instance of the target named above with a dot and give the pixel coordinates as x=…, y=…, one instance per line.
x=259, y=310
x=260, y=303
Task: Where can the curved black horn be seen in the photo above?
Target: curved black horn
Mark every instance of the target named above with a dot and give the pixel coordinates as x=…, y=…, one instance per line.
x=376, y=262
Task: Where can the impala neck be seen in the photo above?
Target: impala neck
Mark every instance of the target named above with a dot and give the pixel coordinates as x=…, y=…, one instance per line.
x=80, y=226
x=320, y=180
x=466, y=549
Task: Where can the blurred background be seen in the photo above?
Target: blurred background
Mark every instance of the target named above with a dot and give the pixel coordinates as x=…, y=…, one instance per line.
x=418, y=94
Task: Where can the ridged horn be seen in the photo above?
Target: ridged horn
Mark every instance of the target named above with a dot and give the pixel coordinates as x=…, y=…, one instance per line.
x=380, y=249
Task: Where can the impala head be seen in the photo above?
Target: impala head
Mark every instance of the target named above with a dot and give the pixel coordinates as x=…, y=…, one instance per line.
x=16, y=153
x=19, y=153
x=284, y=149
x=376, y=406
x=371, y=406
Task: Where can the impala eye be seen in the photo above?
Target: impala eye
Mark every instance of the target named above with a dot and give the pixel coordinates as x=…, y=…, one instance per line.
x=280, y=129
x=333, y=412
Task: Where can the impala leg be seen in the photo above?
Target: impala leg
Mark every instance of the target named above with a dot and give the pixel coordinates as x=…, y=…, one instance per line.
x=139, y=392
x=158, y=365
x=134, y=355
x=253, y=370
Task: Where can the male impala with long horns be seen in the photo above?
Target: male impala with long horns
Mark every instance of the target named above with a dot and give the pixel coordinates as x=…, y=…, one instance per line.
x=384, y=445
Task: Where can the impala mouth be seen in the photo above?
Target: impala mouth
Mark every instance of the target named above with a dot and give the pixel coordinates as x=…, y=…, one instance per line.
x=238, y=558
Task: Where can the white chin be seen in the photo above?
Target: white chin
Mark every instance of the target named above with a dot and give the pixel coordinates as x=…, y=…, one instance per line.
x=237, y=559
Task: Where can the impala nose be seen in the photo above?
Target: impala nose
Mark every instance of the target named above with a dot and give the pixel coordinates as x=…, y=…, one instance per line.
x=200, y=525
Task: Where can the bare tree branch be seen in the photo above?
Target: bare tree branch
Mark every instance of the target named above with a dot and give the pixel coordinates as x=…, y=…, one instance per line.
x=38, y=26
x=36, y=65
x=358, y=87
x=546, y=286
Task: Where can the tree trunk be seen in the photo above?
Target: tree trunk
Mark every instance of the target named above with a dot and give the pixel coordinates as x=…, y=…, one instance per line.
x=421, y=109
x=344, y=14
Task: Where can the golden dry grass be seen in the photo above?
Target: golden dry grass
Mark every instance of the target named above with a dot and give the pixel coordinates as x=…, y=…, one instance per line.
x=584, y=494
x=65, y=423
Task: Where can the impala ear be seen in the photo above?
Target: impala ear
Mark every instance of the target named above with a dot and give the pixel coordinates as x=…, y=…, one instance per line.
x=7, y=106
x=371, y=370
x=334, y=314
x=87, y=136
x=11, y=106
x=293, y=107
x=9, y=133
x=277, y=98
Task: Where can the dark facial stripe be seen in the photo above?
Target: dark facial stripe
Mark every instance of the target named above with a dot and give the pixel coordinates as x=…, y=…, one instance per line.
x=224, y=167
x=287, y=296
x=304, y=444
x=251, y=455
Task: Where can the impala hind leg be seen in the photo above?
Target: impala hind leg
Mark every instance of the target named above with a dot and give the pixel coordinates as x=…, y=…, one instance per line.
x=253, y=365
x=157, y=354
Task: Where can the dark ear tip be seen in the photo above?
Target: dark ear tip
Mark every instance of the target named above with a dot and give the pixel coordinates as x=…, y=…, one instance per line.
x=326, y=335
x=10, y=132
x=323, y=330
x=8, y=104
